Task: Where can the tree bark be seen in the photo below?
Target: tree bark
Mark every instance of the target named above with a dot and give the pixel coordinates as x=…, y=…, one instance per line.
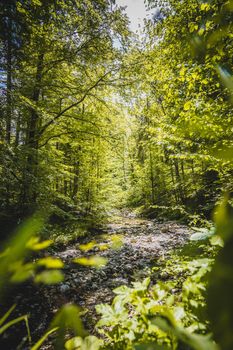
x=179, y=181
x=152, y=179
x=9, y=87
x=30, y=192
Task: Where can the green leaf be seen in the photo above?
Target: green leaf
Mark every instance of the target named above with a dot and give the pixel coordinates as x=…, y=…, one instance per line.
x=89, y=343
x=15, y=321
x=223, y=217
x=43, y=338
x=94, y=261
x=103, y=309
x=220, y=288
x=16, y=247
x=201, y=234
x=216, y=240
x=224, y=153
x=150, y=346
x=205, y=6
x=196, y=341
x=67, y=318
x=116, y=241
x=226, y=78
x=179, y=313
x=122, y=290
x=7, y=314
x=88, y=246
x=73, y=343
x=22, y=273
x=49, y=277
x=34, y=244
x=187, y=105
x=51, y=263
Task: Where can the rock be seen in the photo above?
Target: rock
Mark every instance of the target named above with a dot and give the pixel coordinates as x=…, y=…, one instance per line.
x=128, y=267
x=76, y=280
x=102, y=273
x=94, y=286
x=142, y=263
x=64, y=288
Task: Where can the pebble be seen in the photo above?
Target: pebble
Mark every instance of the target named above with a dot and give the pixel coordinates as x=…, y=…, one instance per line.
x=64, y=288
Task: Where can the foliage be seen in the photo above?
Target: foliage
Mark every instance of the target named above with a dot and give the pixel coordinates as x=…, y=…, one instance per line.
x=15, y=267
x=159, y=313
x=93, y=118
x=170, y=312
x=220, y=309
x=182, y=114
x=88, y=343
x=59, y=122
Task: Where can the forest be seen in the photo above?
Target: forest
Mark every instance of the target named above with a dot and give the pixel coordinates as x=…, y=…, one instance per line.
x=116, y=186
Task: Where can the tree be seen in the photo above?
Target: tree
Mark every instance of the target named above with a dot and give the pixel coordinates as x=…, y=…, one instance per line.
x=67, y=55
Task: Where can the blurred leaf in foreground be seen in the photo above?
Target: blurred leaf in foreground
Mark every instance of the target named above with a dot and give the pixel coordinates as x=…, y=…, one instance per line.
x=51, y=263
x=223, y=218
x=195, y=341
x=35, y=244
x=16, y=250
x=220, y=290
x=49, y=277
x=94, y=261
x=88, y=246
x=67, y=319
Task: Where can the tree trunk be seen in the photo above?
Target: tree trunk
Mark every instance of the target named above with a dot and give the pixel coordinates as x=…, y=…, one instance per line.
x=9, y=87
x=182, y=170
x=179, y=181
x=75, y=181
x=30, y=191
x=152, y=179
x=17, y=131
x=172, y=174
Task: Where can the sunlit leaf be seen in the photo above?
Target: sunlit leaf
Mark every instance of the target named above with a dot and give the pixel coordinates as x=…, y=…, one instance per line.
x=187, y=105
x=223, y=217
x=216, y=240
x=196, y=341
x=34, y=244
x=88, y=343
x=220, y=288
x=103, y=247
x=202, y=234
x=74, y=343
x=51, y=263
x=179, y=313
x=88, y=246
x=116, y=241
x=226, y=77
x=23, y=273
x=224, y=153
x=17, y=246
x=205, y=6
x=95, y=261
x=150, y=346
x=49, y=277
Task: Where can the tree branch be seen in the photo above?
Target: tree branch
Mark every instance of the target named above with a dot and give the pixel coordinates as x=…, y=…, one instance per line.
x=61, y=113
x=106, y=138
